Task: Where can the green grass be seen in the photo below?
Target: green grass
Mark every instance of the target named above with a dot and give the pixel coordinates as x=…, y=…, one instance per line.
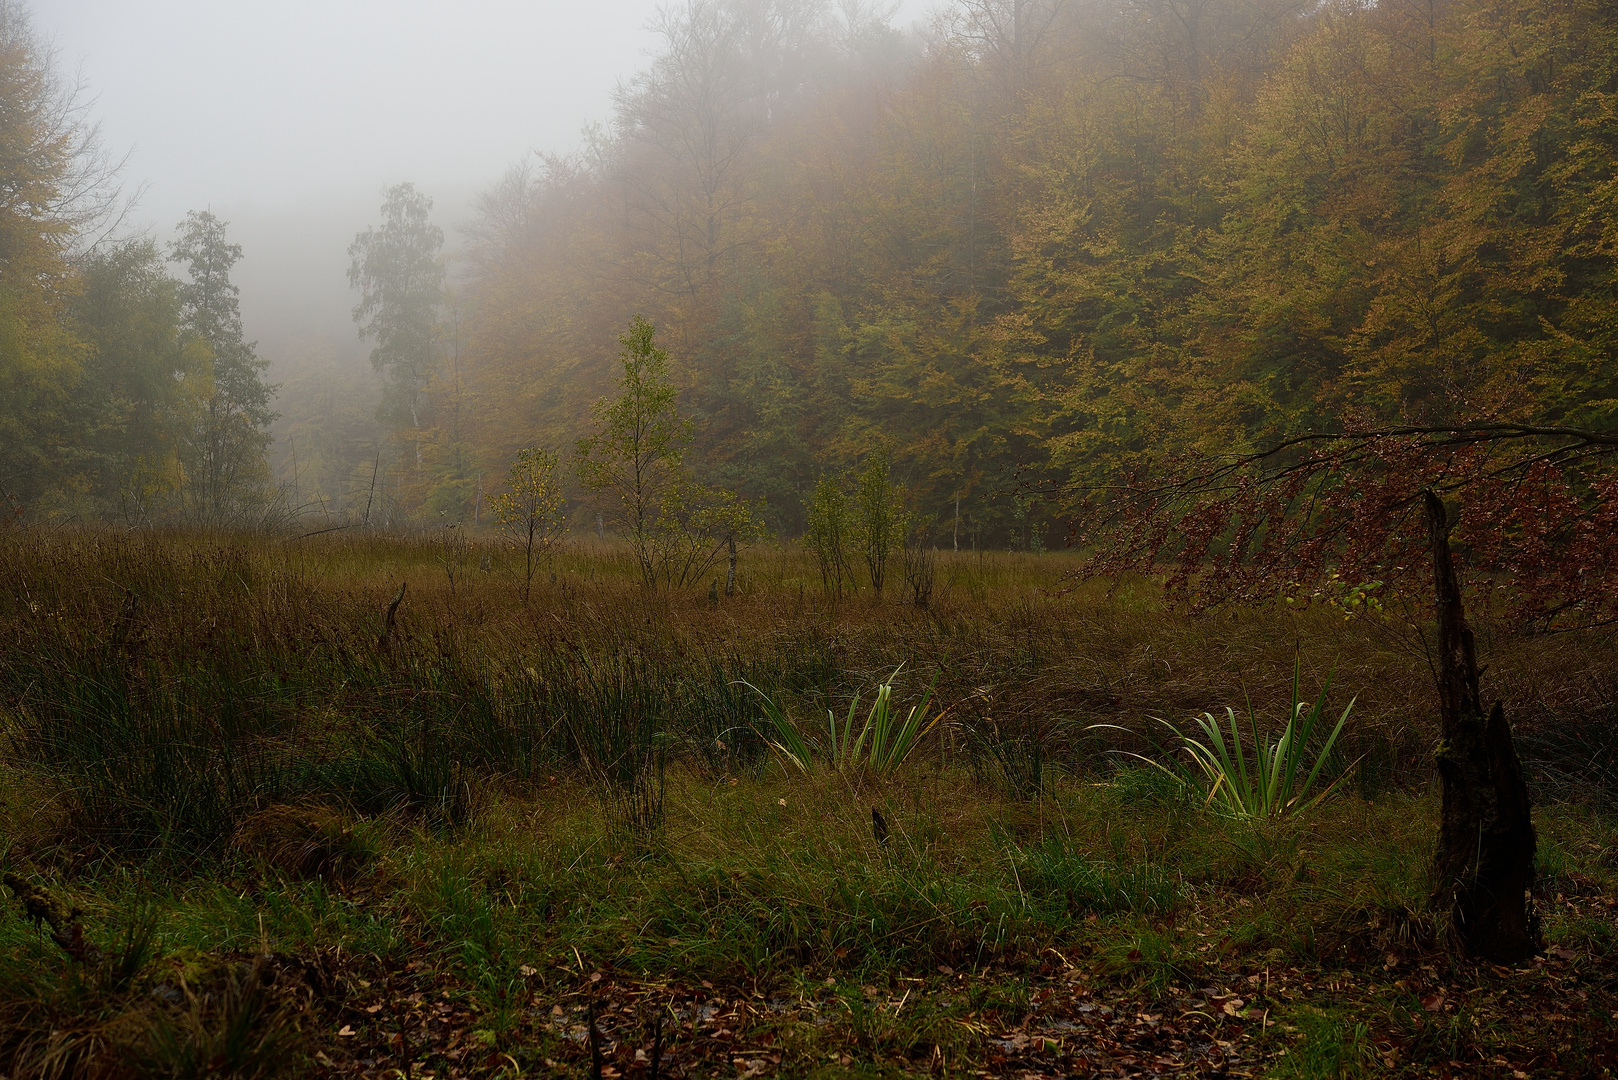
x=1329, y=1046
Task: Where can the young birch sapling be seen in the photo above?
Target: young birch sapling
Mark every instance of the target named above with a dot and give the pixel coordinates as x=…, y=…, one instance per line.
x=879, y=520
x=633, y=464
x=529, y=513
x=828, y=535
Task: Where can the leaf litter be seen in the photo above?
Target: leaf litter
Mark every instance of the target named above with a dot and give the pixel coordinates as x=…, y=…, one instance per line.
x=1425, y=1014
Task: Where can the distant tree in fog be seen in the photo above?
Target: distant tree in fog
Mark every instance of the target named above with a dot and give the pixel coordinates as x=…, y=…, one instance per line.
x=138, y=400
x=400, y=277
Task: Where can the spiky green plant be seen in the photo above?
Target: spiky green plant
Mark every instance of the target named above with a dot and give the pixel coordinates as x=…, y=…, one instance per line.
x=1271, y=787
x=879, y=745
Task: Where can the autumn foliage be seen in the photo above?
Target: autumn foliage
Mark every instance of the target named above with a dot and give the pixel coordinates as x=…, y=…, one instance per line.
x=1077, y=243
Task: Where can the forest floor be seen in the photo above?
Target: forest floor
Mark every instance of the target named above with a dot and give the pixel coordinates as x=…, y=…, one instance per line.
x=249, y=830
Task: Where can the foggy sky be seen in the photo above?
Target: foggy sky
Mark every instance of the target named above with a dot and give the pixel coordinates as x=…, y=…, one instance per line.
x=288, y=117
x=238, y=103
x=277, y=101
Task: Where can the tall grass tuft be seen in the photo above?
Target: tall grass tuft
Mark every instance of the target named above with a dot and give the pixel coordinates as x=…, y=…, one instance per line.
x=150, y=757
x=616, y=712
x=720, y=726
x=1012, y=757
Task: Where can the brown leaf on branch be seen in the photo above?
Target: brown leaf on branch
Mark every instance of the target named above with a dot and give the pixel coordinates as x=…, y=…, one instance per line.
x=1336, y=517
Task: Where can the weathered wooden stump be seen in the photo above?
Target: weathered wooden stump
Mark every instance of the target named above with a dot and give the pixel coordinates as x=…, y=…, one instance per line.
x=1484, y=868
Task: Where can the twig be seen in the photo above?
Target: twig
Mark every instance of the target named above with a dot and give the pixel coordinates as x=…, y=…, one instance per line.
x=321, y=532
x=372, y=493
x=595, y=1043
x=389, y=622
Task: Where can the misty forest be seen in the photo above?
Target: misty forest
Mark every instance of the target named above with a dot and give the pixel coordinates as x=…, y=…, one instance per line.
x=1066, y=539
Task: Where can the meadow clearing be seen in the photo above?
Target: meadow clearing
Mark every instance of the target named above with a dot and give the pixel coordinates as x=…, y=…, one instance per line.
x=267, y=813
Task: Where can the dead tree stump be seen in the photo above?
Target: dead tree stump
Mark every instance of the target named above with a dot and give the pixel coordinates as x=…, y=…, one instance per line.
x=1484, y=867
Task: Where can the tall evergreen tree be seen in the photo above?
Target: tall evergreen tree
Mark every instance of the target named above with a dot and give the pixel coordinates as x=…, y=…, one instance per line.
x=225, y=455
x=145, y=385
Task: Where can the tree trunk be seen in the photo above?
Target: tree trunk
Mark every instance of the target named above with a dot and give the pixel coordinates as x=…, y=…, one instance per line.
x=1484, y=867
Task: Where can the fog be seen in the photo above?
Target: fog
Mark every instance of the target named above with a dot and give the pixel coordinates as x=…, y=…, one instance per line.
x=285, y=103
x=288, y=118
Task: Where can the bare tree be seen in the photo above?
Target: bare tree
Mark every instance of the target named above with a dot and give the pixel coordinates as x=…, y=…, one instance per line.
x=1011, y=36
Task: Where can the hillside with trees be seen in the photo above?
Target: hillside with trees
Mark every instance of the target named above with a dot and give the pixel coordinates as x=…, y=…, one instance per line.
x=1055, y=240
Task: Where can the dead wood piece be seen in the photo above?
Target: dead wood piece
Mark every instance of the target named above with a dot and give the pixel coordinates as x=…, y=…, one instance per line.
x=1484, y=867
x=65, y=928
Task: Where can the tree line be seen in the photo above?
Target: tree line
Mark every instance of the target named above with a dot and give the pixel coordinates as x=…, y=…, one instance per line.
x=1025, y=253
x=126, y=393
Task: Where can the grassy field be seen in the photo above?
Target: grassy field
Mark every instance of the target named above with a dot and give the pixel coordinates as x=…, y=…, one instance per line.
x=251, y=828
